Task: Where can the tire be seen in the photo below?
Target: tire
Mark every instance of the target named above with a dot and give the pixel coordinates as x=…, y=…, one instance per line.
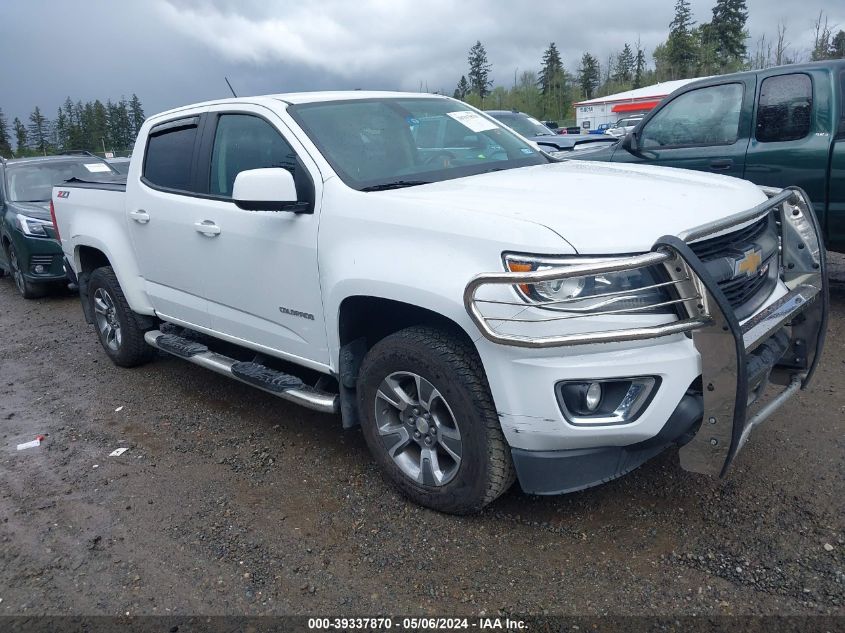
x=27, y=289
x=459, y=421
x=118, y=328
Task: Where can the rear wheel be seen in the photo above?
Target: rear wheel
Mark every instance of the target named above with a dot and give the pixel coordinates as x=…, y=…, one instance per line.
x=118, y=327
x=429, y=420
x=27, y=289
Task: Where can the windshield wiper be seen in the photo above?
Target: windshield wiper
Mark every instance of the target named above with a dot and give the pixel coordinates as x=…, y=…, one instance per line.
x=47, y=200
x=396, y=184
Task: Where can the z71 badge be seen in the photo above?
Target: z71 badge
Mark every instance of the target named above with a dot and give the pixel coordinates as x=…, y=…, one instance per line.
x=63, y=194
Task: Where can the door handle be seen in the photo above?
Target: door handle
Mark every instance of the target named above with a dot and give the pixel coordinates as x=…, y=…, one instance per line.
x=140, y=216
x=207, y=228
x=721, y=165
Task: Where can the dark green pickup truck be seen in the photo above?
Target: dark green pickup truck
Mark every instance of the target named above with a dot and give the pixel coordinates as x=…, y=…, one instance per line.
x=778, y=127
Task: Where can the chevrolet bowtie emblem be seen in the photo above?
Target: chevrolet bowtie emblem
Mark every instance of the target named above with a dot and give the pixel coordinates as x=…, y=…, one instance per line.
x=749, y=264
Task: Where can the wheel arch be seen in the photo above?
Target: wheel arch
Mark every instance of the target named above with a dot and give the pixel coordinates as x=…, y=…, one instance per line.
x=90, y=255
x=374, y=318
x=364, y=320
x=89, y=258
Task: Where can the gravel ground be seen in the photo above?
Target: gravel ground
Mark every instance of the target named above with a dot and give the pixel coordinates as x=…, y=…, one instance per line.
x=230, y=501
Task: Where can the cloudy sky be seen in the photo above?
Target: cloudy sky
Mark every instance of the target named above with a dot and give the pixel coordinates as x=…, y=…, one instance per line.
x=173, y=52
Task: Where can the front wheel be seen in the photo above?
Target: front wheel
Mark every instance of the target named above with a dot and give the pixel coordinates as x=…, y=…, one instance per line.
x=27, y=289
x=429, y=420
x=117, y=325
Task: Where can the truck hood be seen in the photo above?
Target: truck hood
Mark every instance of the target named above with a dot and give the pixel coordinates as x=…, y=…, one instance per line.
x=37, y=210
x=599, y=208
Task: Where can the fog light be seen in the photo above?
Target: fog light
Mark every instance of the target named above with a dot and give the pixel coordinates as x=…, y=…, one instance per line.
x=605, y=401
x=39, y=268
x=593, y=396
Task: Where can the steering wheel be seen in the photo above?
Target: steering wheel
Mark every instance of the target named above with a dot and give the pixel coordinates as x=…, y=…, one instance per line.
x=682, y=132
x=439, y=160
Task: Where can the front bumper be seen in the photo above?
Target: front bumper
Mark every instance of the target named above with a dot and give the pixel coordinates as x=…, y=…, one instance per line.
x=726, y=353
x=42, y=251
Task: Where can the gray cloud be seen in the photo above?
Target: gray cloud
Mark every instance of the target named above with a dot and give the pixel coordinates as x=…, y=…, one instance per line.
x=172, y=52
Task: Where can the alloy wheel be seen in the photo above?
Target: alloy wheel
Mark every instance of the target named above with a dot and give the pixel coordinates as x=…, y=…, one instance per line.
x=17, y=274
x=107, y=321
x=418, y=429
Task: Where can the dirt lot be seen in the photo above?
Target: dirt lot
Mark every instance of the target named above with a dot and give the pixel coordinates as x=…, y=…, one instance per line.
x=231, y=501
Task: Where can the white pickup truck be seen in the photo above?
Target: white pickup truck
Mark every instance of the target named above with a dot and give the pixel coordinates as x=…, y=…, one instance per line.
x=482, y=310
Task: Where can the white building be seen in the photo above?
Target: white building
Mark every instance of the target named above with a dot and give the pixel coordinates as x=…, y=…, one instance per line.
x=592, y=113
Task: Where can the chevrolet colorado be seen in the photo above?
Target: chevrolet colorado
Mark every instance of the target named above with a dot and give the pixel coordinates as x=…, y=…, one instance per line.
x=483, y=315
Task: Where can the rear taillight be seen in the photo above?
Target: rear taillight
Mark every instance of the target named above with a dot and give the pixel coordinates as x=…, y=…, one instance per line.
x=55, y=224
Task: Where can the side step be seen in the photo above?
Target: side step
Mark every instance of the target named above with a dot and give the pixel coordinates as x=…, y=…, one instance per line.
x=267, y=379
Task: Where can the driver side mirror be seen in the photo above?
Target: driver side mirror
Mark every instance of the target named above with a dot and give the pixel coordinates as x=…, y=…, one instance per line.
x=630, y=142
x=268, y=189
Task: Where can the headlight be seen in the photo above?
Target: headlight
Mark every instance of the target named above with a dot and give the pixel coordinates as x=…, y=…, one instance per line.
x=32, y=226
x=629, y=291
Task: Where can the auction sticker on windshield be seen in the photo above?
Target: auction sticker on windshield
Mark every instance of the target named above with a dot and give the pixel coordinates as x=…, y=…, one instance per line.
x=473, y=121
x=95, y=167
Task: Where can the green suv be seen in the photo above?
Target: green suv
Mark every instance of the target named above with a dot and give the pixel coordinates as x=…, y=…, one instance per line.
x=29, y=251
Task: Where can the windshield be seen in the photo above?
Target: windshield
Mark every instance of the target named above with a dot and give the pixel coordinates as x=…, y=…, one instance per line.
x=396, y=142
x=33, y=182
x=524, y=124
x=120, y=166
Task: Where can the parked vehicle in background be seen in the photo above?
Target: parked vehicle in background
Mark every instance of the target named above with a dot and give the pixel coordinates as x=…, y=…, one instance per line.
x=483, y=317
x=554, y=127
x=522, y=123
x=774, y=127
x=121, y=165
x=28, y=249
x=623, y=126
x=533, y=130
x=602, y=127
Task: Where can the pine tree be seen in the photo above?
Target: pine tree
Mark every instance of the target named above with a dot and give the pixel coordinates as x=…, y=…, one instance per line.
x=38, y=131
x=20, y=135
x=99, y=126
x=680, y=46
x=73, y=138
x=710, y=61
x=5, y=142
x=85, y=114
x=624, y=71
x=589, y=75
x=639, y=66
x=60, y=133
x=729, y=34
x=837, y=46
x=463, y=88
x=550, y=74
x=479, y=71
x=124, y=125
x=136, y=114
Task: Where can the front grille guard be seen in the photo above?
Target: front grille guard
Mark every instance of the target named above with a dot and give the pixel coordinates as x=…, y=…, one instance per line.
x=706, y=316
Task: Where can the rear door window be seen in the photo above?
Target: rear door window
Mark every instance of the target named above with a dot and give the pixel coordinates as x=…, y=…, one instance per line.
x=705, y=116
x=170, y=152
x=785, y=108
